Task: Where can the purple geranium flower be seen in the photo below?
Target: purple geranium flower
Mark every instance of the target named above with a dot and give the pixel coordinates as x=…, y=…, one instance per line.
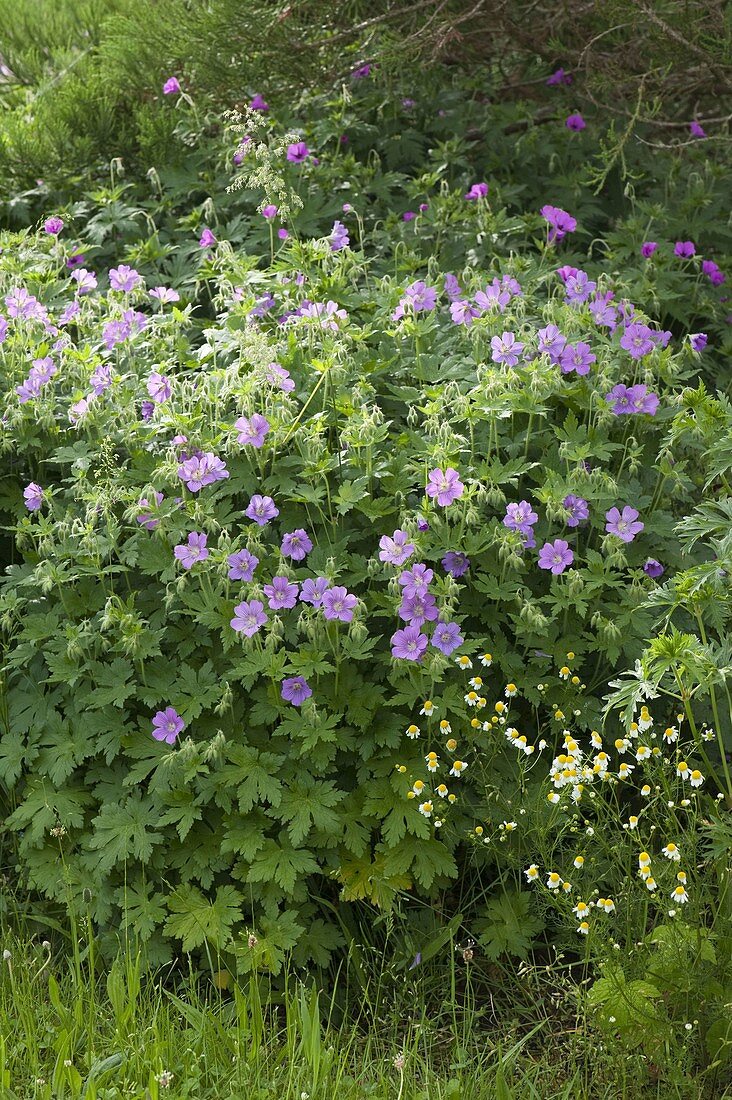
x=338, y=604
x=575, y=122
x=577, y=357
x=648, y=248
x=637, y=340
x=124, y=278
x=445, y=486
x=477, y=191
x=506, y=349
x=495, y=296
x=145, y=519
x=339, y=238
x=520, y=517
x=455, y=563
x=396, y=548
x=258, y=103
x=409, y=644
x=579, y=287
x=295, y=690
x=207, y=239
x=297, y=152
x=195, y=550
x=419, y=608
x=269, y=211
x=555, y=556
x=261, y=510
x=559, y=77
x=685, y=249
x=463, y=312
x=33, y=496
x=165, y=294
x=415, y=581
x=167, y=725
x=242, y=565
x=577, y=509
x=248, y=617
x=171, y=86
x=698, y=340
x=53, y=225
x=626, y=400
x=447, y=637
x=452, y=288
x=86, y=281
x=419, y=297
x=713, y=272
x=560, y=222
x=696, y=129
x=313, y=589
x=281, y=593
x=551, y=342
x=624, y=525
x=202, y=469
x=296, y=545
x=653, y=568
x=79, y=410
x=252, y=430
x=159, y=388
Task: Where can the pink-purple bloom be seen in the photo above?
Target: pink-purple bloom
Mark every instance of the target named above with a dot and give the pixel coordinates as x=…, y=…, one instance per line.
x=477, y=191
x=200, y=470
x=409, y=644
x=159, y=388
x=577, y=357
x=648, y=248
x=281, y=593
x=506, y=349
x=86, y=281
x=33, y=496
x=295, y=690
x=261, y=510
x=559, y=76
x=242, y=564
x=463, y=312
x=447, y=637
x=165, y=294
x=338, y=604
x=653, y=568
x=579, y=287
x=395, y=549
x=269, y=211
x=248, y=617
x=53, y=225
x=296, y=545
x=258, y=103
x=560, y=222
x=495, y=296
x=713, y=272
x=556, y=556
x=207, y=238
x=685, y=249
x=124, y=278
x=696, y=129
x=193, y=551
x=145, y=518
x=624, y=525
x=416, y=580
x=698, y=340
x=444, y=486
x=418, y=608
x=626, y=400
x=339, y=238
x=297, y=152
x=171, y=86
x=313, y=589
x=577, y=509
x=167, y=725
x=520, y=517
x=551, y=342
x=637, y=340
x=456, y=563
x=575, y=122
x=252, y=430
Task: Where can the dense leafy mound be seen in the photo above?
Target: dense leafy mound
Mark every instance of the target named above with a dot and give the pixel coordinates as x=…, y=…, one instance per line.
x=252, y=547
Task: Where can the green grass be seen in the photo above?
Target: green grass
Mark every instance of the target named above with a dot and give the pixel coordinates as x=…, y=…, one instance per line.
x=70, y=1029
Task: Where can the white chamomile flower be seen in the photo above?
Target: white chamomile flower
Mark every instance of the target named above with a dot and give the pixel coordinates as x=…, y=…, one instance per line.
x=531, y=873
x=579, y=862
x=458, y=767
x=696, y=778
x=672, y=852
x=680, y=895
x=432, y=762
x=553, y=880
x=510, y=691
x=583, y=928
x=486, y=660
x=412, y=732
x=428, y=708
x=425, y=808
x=463, y=662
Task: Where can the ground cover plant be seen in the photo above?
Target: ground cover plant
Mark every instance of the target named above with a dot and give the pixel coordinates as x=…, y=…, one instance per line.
x=366, y=542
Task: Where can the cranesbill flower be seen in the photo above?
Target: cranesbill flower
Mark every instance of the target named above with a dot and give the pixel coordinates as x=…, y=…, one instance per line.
x=415, y=581
x=624, y=525
x=520, y=517
x=418, y=609
x=43, y=369
x=339, y=238
x=559, y=76
x=79, y=410
x=313, y=589
x=603, y=311
x=192, y=551
x=4, y=328
x=408, y=216
x=33, y=496
x=53, y=225
x=261, y=510
x=338, y=604
x=625, y=400
x=637, y=340
x=159, y=388
x=252, y=430
x=551, y=342
x=207, y=239
x=283, y=233
x=420, y=297
x=361, y=72
x=477, y=191
x=685, y=249
x=463, y=312
x=560, y=222
x=145, y=519
x=566, y=271
x=447, y=637
x=124, y=278
x=171, y=86
x=242, y=564
x=556, y=556
x=648, y=248
x=495, y=296
x=295, y=690
x=455, y=563
x=101, y=379
x=202, y=469
x=86, y=281
x=575, y=122
x=281, y=593
x=165, y=294
x=167, y=725
x=577, y=509
x=269, y=211
x=653, y=568
x=445, y=486
x=696, y=130
x=409, y=644
x=146, y=410
x=713, y=272
x=506, y=349
x=296, y=545
x=248, y=617
x=258, y=103
x=396, y=548
x=579, y=287
x=452, y=288
x=698, y=340
x=297, y=152
x=577, y=357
